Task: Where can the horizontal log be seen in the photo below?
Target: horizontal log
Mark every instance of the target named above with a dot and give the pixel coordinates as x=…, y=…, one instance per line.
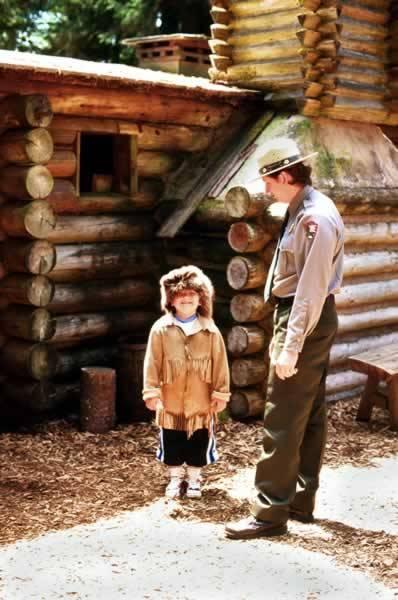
x=284, y=51
x=367, y=293
x=221, y=63
x=28, y=257
x=252, y=8
x=246, y=403
x=244, y=340
x=151, y=136
x=248, y=371
x=248, y=308
x=35, y=219
x=23, y=289
x=200, y=249
x=247, y=237
x=33, y=110
x=360, y=12
x=277, y=69
x=370, y=263
x=95, y=295
x=245, y=273
x=211, y=215
x=100, y=228
x=80, y=262
x=19, y=182
x=219, y=31
x=63, y=197
x=28, y=360
x=26, y=146
x=70, y=361
x=75, y=329
x=239, y=203
x=343, y=349
x=344, y=381
x=374, y=317
x=62, y=164
x=35, y=325
x=151, y=163
x=40, y=396
x=133, y=105
x=220, y=47
x=62, y=138
x=344, y=395
x=273, y=28
x=371, y=234
x=220, y=15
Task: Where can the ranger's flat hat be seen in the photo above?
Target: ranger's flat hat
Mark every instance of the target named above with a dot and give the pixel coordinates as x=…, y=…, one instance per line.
x=279, y=154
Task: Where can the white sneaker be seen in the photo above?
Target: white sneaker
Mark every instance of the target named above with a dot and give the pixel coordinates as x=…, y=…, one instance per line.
x=193, y=490
x=173, y=489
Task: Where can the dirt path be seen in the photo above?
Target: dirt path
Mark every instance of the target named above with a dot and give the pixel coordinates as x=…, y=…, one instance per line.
x=83, y=516
x=156, y=553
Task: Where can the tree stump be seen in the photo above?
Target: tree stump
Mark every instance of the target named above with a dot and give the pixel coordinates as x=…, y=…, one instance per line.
x=97, y=399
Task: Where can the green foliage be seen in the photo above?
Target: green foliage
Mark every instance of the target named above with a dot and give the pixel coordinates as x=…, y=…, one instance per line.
x=94, y=29
x=18, y=24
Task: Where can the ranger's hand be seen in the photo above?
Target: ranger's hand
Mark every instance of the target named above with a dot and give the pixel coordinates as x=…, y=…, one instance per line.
x=153, y=403
x=285, y=366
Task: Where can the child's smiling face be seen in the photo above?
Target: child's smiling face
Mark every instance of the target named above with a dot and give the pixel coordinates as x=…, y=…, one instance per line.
x=186, y=303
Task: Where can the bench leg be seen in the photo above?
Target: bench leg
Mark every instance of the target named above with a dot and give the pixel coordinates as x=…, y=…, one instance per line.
x=366, y=402
x=393, y=402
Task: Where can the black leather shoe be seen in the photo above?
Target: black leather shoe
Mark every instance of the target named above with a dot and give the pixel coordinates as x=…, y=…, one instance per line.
x=303, y=517
x=252, y=528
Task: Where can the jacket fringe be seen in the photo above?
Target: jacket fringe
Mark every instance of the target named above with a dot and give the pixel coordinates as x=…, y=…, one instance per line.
x=183, y=423
x=172, y=369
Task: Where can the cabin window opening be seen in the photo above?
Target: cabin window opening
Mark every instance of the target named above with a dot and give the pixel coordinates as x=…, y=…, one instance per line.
x=107, y=164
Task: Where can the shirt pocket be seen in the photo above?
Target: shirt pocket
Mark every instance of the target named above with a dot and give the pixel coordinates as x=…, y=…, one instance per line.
x=286, y=260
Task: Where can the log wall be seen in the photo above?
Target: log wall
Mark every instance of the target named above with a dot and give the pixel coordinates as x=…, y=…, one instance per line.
x=331, y=57
x=78, y=271
x=367, y=304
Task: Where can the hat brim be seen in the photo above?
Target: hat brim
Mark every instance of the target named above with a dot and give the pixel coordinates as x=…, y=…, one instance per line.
x=285, y=167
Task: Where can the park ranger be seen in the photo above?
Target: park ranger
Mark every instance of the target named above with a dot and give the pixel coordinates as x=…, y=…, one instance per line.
x=305, y=274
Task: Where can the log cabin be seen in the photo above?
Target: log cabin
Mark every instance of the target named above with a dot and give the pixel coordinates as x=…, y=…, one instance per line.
x=85, y=152
x=144, y=171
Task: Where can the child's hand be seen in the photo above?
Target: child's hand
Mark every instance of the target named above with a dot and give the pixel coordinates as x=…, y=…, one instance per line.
x=218, y=405
x=153, y=403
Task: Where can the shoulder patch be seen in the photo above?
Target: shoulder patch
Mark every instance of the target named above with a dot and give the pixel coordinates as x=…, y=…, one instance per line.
x=311, y=228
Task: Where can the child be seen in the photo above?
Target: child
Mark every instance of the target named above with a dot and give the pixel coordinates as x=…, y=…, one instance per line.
x=186, y=377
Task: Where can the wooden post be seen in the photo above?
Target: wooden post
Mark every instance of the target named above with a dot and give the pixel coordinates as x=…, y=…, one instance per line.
x=366, y=403
x=393, y=402
x=97, y=402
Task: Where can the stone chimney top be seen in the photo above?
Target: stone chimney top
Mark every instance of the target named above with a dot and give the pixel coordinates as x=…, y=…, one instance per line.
x=183, y=53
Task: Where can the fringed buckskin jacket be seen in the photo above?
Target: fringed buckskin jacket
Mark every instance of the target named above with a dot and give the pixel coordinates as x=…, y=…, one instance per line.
x=187, y=372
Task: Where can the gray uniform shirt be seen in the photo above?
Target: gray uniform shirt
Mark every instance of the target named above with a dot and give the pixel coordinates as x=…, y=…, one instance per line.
x=310, y=262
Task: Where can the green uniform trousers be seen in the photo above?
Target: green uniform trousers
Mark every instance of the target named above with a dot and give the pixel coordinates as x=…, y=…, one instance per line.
x=287, y=474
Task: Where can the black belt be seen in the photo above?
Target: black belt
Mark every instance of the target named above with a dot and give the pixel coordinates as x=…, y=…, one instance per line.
x=288, y=300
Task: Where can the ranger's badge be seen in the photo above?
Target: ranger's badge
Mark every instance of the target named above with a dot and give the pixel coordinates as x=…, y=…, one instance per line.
x=311, y=227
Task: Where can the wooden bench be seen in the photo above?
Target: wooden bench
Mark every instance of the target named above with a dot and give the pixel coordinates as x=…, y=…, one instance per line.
x=379, y=365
